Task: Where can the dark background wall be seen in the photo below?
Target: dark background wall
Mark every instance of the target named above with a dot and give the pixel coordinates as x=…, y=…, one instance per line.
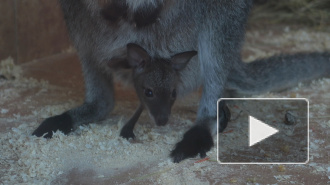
x=31, y=30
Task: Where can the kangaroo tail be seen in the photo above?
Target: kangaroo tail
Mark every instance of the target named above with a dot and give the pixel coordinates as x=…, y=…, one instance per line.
x=278, y=72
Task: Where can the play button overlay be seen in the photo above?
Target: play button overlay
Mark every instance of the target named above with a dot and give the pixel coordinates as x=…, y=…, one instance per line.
x=259, y=131
x=264, y=131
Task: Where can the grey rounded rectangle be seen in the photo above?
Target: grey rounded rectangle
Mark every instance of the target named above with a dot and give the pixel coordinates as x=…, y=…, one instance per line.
x=289, y=146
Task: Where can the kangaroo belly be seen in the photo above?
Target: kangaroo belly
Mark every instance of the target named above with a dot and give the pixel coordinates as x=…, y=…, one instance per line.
x=173, y=32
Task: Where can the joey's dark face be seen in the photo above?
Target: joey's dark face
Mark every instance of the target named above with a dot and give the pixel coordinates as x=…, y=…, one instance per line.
x=156, y=88
x=155, y=79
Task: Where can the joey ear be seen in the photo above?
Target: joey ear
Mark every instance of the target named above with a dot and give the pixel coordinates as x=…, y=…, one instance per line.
x=179, y=61
x=136, y=55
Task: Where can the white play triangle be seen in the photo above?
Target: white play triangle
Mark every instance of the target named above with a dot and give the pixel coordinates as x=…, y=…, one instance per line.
x=259, y=131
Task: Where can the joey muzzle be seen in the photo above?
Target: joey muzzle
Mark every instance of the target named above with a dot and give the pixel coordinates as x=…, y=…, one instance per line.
x=161, y=120
x=160, y=115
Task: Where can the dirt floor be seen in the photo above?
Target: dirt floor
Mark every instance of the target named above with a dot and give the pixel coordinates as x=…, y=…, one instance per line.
x=95, y=154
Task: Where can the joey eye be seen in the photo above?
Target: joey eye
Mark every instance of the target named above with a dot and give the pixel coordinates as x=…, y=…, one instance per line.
x=174, y=93
x=148, y=93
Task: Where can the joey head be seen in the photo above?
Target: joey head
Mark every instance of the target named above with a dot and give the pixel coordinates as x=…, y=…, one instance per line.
x=155, y=81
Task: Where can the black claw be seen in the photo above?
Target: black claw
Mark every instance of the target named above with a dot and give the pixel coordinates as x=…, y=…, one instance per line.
x=61, y=122
x=197, y=140
x=224, y=118
x=127, y=132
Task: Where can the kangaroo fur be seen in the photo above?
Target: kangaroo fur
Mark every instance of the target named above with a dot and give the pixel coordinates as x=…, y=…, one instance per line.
x=215, y=29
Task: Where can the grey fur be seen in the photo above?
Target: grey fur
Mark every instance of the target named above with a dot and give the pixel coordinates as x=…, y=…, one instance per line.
x=214, y=28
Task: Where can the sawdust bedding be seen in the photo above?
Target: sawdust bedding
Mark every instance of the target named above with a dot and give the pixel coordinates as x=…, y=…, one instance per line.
x=97, y=147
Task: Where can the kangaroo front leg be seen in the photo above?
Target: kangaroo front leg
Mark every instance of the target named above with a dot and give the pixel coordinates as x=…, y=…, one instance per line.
x=127, y=130
x=198, y=139
x=99, y=101
x=219, y=51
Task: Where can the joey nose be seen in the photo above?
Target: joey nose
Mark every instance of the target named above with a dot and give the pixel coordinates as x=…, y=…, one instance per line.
x=161, y=120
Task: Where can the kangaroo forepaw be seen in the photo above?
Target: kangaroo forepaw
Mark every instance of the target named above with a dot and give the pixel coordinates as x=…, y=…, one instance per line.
x=197, y=140
x=61, y=122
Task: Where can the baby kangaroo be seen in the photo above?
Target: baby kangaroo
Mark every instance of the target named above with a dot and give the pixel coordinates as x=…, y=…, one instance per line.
x=155, y=81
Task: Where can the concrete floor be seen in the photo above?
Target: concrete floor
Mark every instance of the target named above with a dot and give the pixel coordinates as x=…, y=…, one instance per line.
x=60, y=85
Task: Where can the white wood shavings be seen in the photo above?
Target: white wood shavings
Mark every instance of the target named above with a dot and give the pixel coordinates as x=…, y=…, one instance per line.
x=187, y=176
x=31, y=160
x=9, y=70
x=282, y=178
x=4, y=111
x=36, y=157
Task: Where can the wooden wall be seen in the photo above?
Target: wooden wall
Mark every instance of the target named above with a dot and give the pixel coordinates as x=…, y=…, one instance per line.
x=31, y=30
